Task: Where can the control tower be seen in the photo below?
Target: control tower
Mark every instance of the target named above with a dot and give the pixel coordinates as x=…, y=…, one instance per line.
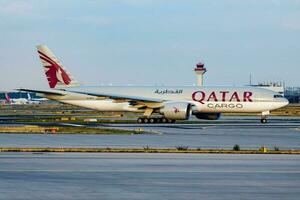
x=200, y=70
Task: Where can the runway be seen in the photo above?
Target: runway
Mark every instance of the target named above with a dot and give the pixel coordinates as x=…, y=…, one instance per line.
x=148, y=176
x=156, y=176
x=283, y=133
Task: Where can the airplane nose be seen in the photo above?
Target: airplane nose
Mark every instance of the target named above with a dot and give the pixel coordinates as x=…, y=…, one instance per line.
x=285, y=102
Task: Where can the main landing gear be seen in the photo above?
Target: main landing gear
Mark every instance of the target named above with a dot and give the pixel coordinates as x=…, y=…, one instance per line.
x=154, y=120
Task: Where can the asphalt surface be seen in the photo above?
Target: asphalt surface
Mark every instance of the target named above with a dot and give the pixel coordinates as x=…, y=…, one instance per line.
x=157, y=176
x=282, y=133
x=148, y=176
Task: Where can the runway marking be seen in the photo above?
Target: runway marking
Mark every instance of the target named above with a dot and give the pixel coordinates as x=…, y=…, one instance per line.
x=152, y=171
x=205, y=126
x=68, y=124
x=211, y=124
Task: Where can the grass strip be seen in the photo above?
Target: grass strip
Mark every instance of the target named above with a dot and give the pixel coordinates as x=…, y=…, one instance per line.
x=141, y=150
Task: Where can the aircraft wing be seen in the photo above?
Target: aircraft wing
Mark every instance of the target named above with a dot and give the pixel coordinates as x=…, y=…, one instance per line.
x=149, y=104
x=47, y=92
x=144, y=103
x=120, y=97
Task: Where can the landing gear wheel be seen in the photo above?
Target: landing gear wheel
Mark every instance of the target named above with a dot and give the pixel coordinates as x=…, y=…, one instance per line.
x=164, y=120
x=152, y=120
x=263, y=120
x=159, y=120
x=140, y=120
x=170, y=121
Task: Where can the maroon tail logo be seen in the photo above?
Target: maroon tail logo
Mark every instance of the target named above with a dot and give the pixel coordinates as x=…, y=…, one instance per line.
x=7, y=98
x=54, y=72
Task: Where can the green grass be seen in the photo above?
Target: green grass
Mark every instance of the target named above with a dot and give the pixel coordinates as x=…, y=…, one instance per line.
x=87, y=130
x=70, y=130
x=141, y=150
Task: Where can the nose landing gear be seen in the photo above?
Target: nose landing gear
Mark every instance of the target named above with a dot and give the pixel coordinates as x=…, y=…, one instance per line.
x=264, y=116
x=263, y=120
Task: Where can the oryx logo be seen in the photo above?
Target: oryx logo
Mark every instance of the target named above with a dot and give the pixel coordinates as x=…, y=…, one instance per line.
x=176, y=110
x=54, y=72
x=7, y=98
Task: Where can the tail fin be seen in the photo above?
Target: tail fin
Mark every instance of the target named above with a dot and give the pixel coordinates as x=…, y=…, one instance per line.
x=8, y=100
x=57, y=75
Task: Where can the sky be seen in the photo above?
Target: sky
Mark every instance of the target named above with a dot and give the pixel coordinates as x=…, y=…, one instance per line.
x=144, y=42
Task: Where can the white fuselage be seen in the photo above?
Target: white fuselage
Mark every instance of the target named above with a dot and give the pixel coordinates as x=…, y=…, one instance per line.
x=205, y=99
x=20, y=101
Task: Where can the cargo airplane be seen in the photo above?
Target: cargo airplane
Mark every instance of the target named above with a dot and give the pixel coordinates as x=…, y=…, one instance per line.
x=159, y=104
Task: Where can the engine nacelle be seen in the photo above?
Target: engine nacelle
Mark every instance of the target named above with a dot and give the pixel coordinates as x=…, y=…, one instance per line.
x=176, y=110
x=209, y=116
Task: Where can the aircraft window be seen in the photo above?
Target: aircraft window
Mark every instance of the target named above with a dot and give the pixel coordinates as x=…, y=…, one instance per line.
x=278, y=96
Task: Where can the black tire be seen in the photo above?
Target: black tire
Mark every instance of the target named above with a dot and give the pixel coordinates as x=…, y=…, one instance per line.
x=152, y=120
x=164, y=120
x=140, y=121
x=263, y=121
x=146, y=120
x=170, y=121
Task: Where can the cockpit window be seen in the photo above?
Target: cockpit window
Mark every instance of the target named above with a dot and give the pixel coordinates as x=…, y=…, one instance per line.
x=278, y=96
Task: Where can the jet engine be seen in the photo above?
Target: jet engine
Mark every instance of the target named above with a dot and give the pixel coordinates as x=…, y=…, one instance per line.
x=209, y=116
x=176, y=110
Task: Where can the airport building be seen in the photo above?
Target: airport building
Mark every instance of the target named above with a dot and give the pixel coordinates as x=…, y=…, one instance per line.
x=200, y=71
x=274, y=86
x=16, y=95
x=292, y=94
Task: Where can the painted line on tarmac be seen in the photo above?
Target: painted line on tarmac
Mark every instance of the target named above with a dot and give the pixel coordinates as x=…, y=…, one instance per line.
x=69, y=124
x=152, y=171
x=193, y=126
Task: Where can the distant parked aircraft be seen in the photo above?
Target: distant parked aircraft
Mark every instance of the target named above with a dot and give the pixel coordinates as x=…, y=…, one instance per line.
x=35, y=100
x=23, y=101
x=19, y=101
x=2, y=102
x=170, y=103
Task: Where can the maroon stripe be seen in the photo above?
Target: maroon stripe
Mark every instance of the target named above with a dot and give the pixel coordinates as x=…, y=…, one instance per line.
x=45, y=55
x=48, y=61
x=66, y=78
